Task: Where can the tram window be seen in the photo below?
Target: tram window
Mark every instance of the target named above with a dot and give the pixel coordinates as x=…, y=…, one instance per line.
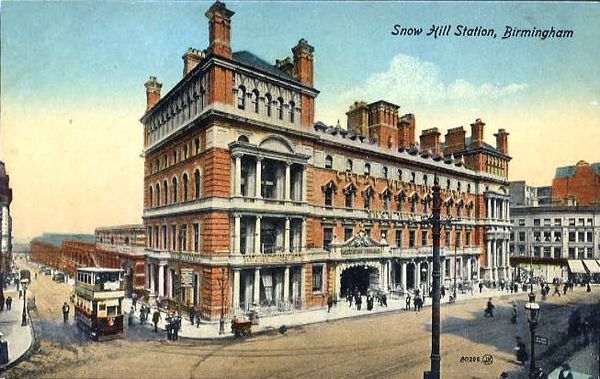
x=112, y=311
x=101, y=307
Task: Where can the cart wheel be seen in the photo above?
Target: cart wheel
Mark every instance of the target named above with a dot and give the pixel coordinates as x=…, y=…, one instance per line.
x=243, y=333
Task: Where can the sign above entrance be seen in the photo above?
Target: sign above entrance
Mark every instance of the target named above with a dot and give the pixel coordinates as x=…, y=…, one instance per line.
x=187, y=277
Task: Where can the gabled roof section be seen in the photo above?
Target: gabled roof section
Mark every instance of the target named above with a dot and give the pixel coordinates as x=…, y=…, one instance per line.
x=249, y=59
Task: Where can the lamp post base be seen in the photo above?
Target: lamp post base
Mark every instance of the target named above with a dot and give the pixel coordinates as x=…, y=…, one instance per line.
x=23, y=319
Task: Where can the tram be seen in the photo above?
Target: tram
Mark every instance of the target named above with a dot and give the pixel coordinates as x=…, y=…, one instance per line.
x=99, y=294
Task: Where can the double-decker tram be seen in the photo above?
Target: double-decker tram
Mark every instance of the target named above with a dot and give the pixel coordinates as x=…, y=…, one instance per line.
x=99, y=294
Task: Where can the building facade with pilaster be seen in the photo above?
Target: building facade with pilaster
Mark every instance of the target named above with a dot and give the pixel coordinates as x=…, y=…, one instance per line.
x=5, y=221
x=250, y=203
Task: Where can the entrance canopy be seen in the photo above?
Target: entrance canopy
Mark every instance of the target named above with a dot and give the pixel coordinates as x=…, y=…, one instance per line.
x=592, y=266
x=576, y=266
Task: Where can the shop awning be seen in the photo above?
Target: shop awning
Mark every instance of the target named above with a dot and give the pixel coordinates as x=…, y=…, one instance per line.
x=592, y=266
x=576, y=267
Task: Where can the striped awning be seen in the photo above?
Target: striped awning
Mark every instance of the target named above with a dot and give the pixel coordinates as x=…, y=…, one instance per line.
x=576, y=266
x=592, y=266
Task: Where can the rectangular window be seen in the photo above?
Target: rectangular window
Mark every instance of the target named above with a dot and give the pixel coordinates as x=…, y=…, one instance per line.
x=557, y=222
x=521, y=222
x=164, y=237
x=580, y=237
x=149, y=237
x=411, y=238
x=571, y=236
x=557, y=252
x=184, y=245
x=571, y=252
x=317, y=278
x=458, y=239
x=327, y=238
x=521, y=250
x=557, y=236
x=512, y=236
x=448, y=238
x=536, y=222
x=467, y=238
x=589, y=253
x=156, y=237
x=589, y=236
x=424, y=238
x=581, y=253
x=589, y=222
x=383, y=233
x=536, y=251
x=547, y=251
x=571, y=222
x=521, y=236
x=547, y=236
x=581, y=221
x=546, y=222
x=368, y=231
x=196, y=237
x=537, y=236
x=348, y=233
x=174, y=237
x=399, y=237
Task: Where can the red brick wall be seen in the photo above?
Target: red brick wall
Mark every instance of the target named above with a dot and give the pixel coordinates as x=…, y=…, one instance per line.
x=217, y=173
x=213, y=297
x=584, y=185
x=221, y=83
x=215, y=233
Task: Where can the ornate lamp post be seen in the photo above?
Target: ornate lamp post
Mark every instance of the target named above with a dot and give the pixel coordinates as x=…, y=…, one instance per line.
x=24, y=283
x=533, y=315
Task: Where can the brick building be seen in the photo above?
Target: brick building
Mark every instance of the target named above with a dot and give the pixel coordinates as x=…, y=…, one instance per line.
x=5, y=223
x=578, y=184
x=262, y=206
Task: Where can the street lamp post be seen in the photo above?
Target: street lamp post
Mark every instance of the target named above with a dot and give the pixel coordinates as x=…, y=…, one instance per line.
x=455, y=262
x=533, y=315
x=24, y=315
x=222, y=319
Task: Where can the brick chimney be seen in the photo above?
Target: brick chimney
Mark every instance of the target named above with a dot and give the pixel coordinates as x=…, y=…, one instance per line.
x=285, y=65
x=430, y=139
x=455, y=140
x=383, y=121
x=303, y=62
x=152, y=92
x=219, y=29
x=502, y=141
x=358, y=118
x=191, y=58
x=406, y=131
x=477, y=133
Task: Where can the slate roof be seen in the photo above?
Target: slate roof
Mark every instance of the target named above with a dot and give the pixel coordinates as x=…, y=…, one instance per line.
x=247, y=58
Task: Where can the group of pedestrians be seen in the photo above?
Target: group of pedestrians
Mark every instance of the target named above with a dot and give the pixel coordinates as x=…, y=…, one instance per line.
x=173, y=325
x=417, y=301
x=7, y=302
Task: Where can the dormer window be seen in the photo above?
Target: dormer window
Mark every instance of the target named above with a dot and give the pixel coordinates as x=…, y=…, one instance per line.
x=292, y=114
x=349, y=165
x=328, y=162
x=367, y=171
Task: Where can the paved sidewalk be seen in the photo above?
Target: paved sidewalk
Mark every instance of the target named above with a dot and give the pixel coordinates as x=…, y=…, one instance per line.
x=210, y=330
x=19, y=338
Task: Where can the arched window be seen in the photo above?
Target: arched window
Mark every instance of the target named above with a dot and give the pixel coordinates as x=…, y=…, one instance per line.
x=329, y=196
x=268, y=103
x=185, y=151
x=197, y=145
x=368, y=196
x=413, y=204
x=157, y=165
x=367, y=169
x=255, y=100
x=280, y=108
x=349, y=194
x=174, y=156
x=243, y=138
x=349, y=165
x=413, y=177
x=165, y=161
x=292, y=111
x=425, y=180
x=166, y=192
x=150, y=195
x=197, y=184
x=328, y=162
x=174, y=190
x=386, y=196
x=185, y=187
x=157, y=195
x=384, y=172
x=241, y=97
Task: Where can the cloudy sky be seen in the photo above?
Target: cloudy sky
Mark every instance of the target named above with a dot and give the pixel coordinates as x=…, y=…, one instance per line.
x=73, y=73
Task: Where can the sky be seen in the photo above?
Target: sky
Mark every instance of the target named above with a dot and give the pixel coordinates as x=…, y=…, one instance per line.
x=72, y=93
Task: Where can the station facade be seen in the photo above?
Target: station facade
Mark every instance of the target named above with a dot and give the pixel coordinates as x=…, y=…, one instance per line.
x=262, y=207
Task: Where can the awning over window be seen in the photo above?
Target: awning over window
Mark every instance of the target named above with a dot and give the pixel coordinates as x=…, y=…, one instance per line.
x=576, y=267
x=592, y=266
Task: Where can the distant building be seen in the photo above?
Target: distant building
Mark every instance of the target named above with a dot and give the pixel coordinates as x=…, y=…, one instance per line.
x=557, y=228
x=5, y=223
x=47, y=248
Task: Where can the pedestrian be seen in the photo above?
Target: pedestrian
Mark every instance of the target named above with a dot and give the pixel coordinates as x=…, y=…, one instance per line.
x=416, y=302
x=369, y=302
x=565, y=373
x=155, y=318
x=35, y=276
x=489, y=308
x=197, y=318
x=384, y=299
x=130, y=317
x=142, y=314
x=329, y=303
x=20, y=294
x=358, y=300
x=169, y=328
x=480, y=286
x=556, y=291
x=192, y=314
x=134, y=300
x=176, y=327
x=8, y=303
x=443, y=290
x=407, y=307
x=565, y=286
x=513, y=318
x=3, y=351
x=521, y=351
x=588, y=287
x=65, y=311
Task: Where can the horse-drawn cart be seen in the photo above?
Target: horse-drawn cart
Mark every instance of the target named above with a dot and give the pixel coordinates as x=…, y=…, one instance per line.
x=241, y=328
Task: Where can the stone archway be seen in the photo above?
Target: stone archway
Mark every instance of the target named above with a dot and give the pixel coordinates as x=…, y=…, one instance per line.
x=357, y=275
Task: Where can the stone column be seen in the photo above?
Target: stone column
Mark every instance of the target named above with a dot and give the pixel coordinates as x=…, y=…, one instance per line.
x=417, y=275
x=403, y=278
x=287, y=189
x=257, y=235
x=237, y=232
x=507, y=210
x=256, y=287
x=303, y=236
x=238, y=175
x=383, y=275
x=151, y=276
x=469, y=269
x=494, y=260
x=286, y=285
x=488, y=210
x=286, y=236
x=325, y=279
x=169, y=282
x=236, y=290
x=161, y=279
x=258, y=176
x=303, y=285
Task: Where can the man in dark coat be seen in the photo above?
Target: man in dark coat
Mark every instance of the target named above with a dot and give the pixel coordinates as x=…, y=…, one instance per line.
x=155, y=318
x=65, y=311
x=480, y=287
x=8, y=303
x=521, y=351
x=407, y=307
x=358, y=300
x=192, y=313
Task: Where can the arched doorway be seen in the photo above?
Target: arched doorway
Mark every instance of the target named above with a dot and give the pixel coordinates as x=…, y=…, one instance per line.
x=359, y=278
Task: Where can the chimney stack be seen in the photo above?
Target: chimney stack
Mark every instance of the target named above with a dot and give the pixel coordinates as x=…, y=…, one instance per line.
x=358, y=118
x=303, y=62
x=152, y=92
x=219, y=29
x=430, y=139
x=191, y=58
x=406, y=131
x=477, y=133
x=455, y=140
x=285, y=65
x=502, y=141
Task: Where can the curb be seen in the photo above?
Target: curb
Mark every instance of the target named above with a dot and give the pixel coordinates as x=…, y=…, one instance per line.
x=33, y=345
